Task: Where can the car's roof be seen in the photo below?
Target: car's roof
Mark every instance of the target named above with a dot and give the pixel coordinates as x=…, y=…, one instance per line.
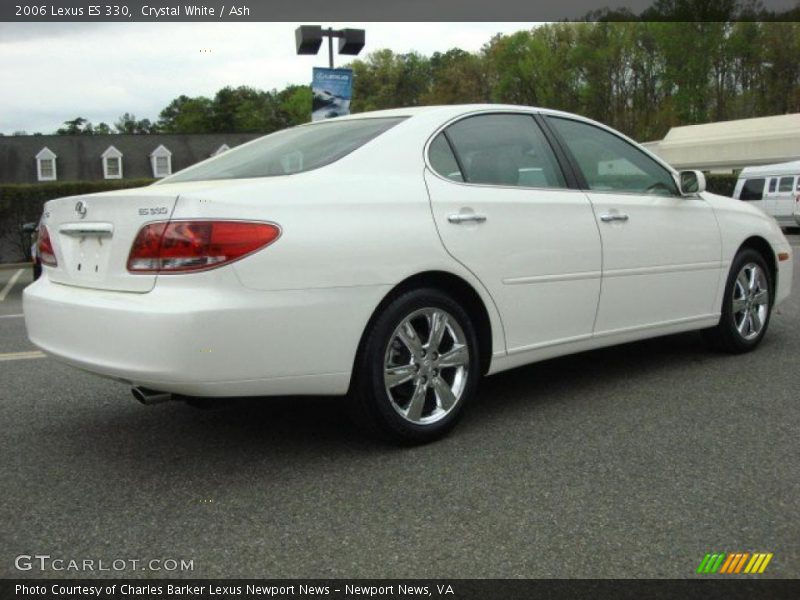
x=787, y=168
x=444, y=113
x=443, y=109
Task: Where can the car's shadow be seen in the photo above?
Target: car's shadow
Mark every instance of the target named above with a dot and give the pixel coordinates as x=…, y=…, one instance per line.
x=310, y=425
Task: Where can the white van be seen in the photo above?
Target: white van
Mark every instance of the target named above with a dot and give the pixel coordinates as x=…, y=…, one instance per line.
x=773, y=188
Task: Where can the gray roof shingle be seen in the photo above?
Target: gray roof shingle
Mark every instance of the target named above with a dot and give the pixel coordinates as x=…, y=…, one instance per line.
x=79, y=156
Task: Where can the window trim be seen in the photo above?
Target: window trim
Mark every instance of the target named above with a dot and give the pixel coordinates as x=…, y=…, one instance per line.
x=570, y=182
x=161, y=152
x=41, y=156
x=579, y=173
x=111, y=152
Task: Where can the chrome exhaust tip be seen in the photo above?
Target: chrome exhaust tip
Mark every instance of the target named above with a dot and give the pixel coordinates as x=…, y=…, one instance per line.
x=147, y=396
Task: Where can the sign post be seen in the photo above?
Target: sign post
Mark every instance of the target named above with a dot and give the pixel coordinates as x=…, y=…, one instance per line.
x=332, y=89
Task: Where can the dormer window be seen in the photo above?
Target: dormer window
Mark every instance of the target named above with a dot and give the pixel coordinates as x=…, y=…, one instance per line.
x=161, y=161
x=112, y=163
x=221, y=149
x=46, y=165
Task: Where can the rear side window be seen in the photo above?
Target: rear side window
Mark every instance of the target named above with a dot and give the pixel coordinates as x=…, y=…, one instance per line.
x=753, y=189
x=773, y=183
x=505, y=150
x=443, y=161
x=290, y=151
x=786, y=184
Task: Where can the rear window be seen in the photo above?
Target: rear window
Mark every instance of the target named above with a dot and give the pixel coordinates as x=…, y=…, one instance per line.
x=290, y=151
x=753, y=189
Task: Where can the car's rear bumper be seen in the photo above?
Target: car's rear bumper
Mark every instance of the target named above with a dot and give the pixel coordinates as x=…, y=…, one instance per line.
x=205, y=341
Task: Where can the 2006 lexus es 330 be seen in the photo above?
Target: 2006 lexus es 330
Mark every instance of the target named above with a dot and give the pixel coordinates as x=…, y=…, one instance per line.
x=398, y=256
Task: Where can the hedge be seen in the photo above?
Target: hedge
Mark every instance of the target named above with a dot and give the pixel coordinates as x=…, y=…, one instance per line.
x=22, y=203
x=721, y=184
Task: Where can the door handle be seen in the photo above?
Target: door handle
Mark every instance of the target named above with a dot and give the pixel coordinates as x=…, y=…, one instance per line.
x=466, y=217
x=609, y=218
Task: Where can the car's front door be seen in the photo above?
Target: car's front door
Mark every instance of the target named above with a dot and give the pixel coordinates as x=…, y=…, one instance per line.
x=504, y=210
x=661, y=251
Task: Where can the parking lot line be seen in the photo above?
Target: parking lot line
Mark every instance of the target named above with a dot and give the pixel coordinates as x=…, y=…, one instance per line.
x=10, y=284
x=21, y=355
x=19, y=316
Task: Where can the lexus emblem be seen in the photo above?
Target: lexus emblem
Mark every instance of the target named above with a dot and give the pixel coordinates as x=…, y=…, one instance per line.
x=80, y=208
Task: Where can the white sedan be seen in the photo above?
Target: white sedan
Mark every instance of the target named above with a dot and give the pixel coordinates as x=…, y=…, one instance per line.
x=397, y=257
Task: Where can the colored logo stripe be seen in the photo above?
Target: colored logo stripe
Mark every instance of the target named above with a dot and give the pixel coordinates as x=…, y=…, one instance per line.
x=734, y=563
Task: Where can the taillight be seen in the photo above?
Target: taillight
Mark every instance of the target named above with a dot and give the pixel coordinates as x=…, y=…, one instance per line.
x=179, y=246
x=44, y=248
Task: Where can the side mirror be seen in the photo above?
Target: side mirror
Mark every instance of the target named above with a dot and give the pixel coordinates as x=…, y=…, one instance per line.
x=29, y=227
x=692, y=182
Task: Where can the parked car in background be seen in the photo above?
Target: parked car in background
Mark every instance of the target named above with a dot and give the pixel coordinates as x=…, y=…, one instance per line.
x=772, y=188
x=398, y=257
x=32, y=229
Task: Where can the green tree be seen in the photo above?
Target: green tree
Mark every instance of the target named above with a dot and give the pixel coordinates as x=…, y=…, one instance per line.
x=294, y=104
x=102, y=129
x=186, y=115
x=76, y=126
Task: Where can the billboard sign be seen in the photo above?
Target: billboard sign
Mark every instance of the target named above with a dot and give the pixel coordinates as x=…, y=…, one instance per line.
x=332, y=90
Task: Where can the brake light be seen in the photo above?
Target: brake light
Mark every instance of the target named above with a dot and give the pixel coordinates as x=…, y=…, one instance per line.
x=44, y=247
x=180, y=246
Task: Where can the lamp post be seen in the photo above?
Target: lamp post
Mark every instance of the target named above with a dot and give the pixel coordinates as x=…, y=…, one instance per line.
x=308, y=39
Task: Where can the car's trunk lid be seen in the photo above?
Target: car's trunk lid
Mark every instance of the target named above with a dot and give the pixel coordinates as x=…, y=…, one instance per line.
x=92, y=236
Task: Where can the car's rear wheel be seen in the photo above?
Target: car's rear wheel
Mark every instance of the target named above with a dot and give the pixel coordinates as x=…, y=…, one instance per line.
x=417, y=368
x=746, y=306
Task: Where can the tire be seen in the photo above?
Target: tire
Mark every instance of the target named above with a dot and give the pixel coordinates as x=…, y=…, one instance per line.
x=746, y=305
x=407, y=387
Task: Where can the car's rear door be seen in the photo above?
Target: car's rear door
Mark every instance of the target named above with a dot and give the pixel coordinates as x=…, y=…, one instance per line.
x=503, y=208
x=661, y=251
x=770, y=196
x=784, y=199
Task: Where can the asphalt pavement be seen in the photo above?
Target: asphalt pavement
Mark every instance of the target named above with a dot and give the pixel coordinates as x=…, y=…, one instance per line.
x=632, y=461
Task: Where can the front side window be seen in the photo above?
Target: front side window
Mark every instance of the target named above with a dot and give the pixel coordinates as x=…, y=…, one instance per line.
x=506, y=150
x=611, y=164
x=290, y=151
x=785, y=184
x=753, y=189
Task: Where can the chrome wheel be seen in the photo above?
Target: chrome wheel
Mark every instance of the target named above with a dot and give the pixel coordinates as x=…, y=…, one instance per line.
x=426, y=366
x=750, y=301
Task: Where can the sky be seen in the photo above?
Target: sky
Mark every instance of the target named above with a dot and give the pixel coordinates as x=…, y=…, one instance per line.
x=53, y=72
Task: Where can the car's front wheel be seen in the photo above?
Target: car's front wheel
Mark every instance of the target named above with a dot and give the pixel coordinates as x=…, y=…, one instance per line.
x=746, y=306
x=417, y=368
